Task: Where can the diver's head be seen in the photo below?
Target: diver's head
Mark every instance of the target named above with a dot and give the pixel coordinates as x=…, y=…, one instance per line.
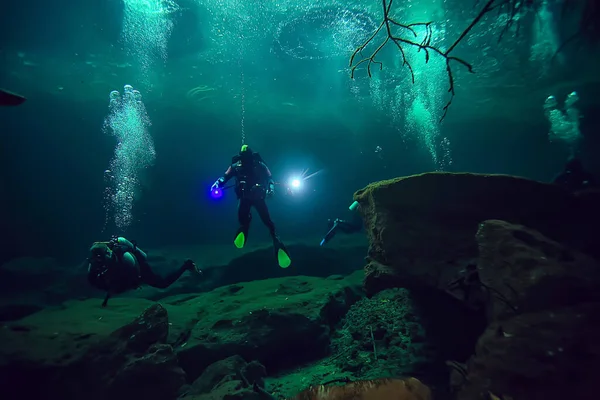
x=574, y=165
x=100, y=256
x=246, y=153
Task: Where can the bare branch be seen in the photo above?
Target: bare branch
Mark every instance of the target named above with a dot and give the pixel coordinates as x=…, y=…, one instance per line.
x=424, y=45
x=588, y=30
x=589, y=27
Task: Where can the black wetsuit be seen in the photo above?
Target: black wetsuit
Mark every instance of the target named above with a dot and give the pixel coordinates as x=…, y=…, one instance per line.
x=355, y=225
x=128, y=269
x=575, y=179
x=253, y=181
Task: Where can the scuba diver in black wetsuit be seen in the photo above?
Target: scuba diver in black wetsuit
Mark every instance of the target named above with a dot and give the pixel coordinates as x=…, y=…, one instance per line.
x=353, y=226
x=119, y=265
x=574, y=178
x=253, y=185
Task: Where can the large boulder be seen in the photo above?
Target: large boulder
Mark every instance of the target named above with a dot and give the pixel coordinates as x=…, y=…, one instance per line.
x=545, y=318
x=72, y=361
x=547, y=355
x=231, y=378
x=525, y=272
x=381, y=389
x=421, y=228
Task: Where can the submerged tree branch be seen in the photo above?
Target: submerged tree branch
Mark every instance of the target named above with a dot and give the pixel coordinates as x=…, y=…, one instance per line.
x=424, y=45
x=515, y=9
x=589, y=24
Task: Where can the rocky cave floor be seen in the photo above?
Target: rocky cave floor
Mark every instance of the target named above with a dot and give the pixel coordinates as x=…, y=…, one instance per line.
x=478, y=286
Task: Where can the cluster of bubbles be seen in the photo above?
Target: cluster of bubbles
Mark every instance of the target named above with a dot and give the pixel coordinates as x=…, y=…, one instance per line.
x=491, y=58
x=544, y=39
x=564, y=124
x=235, y=23
x=147, y=26
x=379, y=96
x=324, y=32
x=423, y=101
x=421, y=123
x=128, y=122
x=414, y=108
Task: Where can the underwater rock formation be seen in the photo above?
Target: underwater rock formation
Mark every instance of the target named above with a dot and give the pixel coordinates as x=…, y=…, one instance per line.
x=231, y=378
x=544, y=355
x=376, y=389
x=307, y=261
x=544, y=318
x=528, y=272
x=421, y=228
x=531, y=259
x=85, y=351
x=70, y=360
x=382, y=336
x=30, y=284
x=133, y=361
x=264, y=319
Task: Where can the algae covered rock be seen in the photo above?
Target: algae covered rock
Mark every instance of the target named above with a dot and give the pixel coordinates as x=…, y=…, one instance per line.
x=231, y=378
x=381, y=336
x=381, y=389
x=422, y=228
x=546, y=355
x=89, y=358
x=545, y=318
x=28, y=284
x=279, y=322
x=527, y=272
x=135, y=347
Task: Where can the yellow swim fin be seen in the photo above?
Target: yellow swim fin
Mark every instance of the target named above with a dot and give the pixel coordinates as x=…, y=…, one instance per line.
x=240, y=240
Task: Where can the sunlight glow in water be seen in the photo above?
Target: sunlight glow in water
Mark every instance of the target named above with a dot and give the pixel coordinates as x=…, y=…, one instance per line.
x=146, y=30
x=544, y=40
x=128, y=122
x=424, y=102
x=324, y=32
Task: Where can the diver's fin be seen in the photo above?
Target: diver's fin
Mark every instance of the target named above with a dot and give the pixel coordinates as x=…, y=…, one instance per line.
x=10, y=99
x=240, y=240
x=283, y=258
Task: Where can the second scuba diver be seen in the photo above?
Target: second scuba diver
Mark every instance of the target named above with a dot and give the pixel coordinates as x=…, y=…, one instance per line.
x=355, y=225
x=253, y=184
x=575, y=178
x=118, y=266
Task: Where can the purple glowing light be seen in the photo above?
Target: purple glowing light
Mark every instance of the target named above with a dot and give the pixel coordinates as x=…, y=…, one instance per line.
x=216, y=193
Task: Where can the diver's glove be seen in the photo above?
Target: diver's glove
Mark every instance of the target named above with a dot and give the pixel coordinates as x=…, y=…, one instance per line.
x=218, y=184
x=271, y=189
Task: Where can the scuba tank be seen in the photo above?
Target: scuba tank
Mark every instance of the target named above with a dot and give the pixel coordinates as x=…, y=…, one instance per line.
x=122, y=246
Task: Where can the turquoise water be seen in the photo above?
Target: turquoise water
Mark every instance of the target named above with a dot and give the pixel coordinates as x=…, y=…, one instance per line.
x=211, y=75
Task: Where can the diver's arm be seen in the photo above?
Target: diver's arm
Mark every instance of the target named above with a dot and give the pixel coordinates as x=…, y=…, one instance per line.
x=230, y=173
x=268, y=175
x=350, y=227
x=219, y=183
